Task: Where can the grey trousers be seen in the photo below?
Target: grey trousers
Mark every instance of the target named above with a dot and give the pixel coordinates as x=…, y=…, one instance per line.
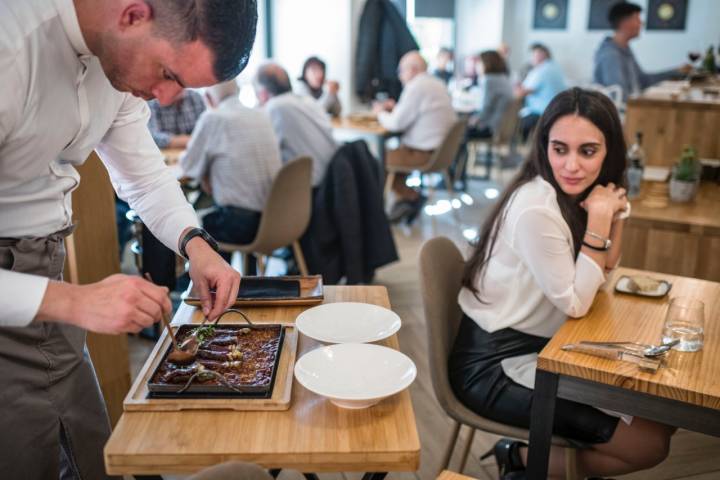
x=53, y=421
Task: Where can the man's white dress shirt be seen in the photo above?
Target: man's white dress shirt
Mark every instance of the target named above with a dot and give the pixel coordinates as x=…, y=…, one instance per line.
x=423, y=113
x=237, y=148
x=55, y=108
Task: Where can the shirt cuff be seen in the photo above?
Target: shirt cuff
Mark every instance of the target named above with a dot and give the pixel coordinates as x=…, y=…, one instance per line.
x=21, y=298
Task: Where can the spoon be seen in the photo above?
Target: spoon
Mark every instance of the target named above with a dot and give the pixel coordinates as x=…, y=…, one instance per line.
x=177, y=355
x=657, y=350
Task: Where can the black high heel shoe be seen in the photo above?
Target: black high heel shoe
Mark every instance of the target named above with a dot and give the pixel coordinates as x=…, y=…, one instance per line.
x=507, y=456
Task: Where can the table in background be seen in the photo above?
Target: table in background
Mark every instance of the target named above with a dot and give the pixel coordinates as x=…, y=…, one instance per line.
x=350, y=127
x=670, y=120
x=681, y=239
x=312, y=436
x=684, y=393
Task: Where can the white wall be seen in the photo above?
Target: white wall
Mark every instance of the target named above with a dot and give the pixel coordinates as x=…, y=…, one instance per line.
x=479, y=25
x=316, y=27
x=573, y=47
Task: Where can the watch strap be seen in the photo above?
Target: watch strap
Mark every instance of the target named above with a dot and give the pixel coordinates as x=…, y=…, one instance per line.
x=197, y=232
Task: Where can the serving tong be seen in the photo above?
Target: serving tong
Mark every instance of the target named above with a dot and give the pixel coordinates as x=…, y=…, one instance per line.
x=646, y=357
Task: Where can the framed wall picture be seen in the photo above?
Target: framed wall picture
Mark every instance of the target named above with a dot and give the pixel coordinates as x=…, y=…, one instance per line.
x=666, y=14
x=550, y=14
x=598, y=19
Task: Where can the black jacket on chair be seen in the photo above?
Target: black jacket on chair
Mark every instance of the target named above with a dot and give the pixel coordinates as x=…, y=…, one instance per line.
x=349, y=234
x=383, y=37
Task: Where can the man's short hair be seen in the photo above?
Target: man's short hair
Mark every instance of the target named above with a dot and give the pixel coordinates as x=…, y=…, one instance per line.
x=274, y=79
x=620, y=11
x=227, y=27
x=542, y=48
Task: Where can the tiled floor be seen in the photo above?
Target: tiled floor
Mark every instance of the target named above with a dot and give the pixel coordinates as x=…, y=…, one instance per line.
x=693, y=456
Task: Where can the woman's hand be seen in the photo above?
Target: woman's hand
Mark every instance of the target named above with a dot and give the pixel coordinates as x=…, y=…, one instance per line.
x=609, y=199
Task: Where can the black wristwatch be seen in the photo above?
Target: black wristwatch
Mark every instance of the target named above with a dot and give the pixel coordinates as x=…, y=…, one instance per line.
x=197, y=232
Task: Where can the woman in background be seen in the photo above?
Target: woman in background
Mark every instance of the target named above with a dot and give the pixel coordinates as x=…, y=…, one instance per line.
x=542, y=255
x=496, y=93
x=312, y=83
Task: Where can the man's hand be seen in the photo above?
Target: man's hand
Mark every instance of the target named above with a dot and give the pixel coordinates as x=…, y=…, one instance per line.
x=209, y=271
x=117, y=304
x=332, y=86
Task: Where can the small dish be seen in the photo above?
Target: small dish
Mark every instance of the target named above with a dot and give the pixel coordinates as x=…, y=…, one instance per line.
x=624, y=282
x=348, y=322
x=355, y=375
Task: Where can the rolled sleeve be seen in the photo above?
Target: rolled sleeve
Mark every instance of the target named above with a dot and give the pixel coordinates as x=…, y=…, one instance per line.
x=543, y=246
x=140, y=176
x=21, y=298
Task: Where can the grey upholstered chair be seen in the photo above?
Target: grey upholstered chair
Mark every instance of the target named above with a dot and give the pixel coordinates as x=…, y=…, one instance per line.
x=441, y=268
x=285, y=217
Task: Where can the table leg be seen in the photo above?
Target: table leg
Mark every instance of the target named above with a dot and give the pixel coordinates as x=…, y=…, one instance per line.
x=541, y=424
x=374, y=476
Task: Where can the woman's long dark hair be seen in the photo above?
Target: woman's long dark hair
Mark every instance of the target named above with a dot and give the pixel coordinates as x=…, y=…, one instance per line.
x=316, y=92
x=599, y=110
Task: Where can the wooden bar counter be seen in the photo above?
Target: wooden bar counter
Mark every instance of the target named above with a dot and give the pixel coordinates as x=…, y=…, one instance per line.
x=668, y=123
x=680, y=239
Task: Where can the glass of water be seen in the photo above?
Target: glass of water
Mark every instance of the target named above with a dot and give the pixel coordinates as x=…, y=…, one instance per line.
x=684, y=321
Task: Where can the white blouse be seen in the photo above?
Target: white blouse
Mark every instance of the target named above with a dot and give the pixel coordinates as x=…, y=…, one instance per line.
x=532, y=282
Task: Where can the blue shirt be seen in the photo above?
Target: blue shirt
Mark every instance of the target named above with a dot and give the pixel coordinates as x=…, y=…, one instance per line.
x=545, y=80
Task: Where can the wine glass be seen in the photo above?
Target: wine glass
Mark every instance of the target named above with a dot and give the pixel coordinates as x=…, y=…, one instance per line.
x=684, y=321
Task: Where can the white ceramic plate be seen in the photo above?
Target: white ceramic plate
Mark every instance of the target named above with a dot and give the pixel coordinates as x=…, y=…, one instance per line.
x=355, y=375
x=348, y=322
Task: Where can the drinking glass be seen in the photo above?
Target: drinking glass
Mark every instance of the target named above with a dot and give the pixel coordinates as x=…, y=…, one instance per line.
x=684, y=321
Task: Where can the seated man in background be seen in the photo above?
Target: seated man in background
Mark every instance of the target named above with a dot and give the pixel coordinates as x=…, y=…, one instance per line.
x=234, y=153
x=172, y=125
x=542, y=83
x=424, y=114
x=301, y=125
x=615, y=63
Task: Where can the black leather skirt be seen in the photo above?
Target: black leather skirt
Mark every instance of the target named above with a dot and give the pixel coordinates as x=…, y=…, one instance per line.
x=478, y=380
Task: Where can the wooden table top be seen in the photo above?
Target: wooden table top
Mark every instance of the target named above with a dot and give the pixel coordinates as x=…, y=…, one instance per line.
x=704, y=211
x=690, y=377
x=367, y=126
x=312, y=436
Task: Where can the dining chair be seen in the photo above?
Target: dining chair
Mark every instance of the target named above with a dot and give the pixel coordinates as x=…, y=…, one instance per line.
x=439, y=162
x=285, y=217
x=441, y=269
x=232, y=471
x=500, y=145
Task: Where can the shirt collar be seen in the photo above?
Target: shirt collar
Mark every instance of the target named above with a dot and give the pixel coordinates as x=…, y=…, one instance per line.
x=68, y=17
x=229, y=102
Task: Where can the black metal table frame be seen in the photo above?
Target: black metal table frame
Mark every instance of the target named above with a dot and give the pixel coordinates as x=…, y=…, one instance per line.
x=549, y=386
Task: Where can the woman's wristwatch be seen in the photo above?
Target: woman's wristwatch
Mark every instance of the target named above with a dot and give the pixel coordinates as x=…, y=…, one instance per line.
x=607, y=243
x=197, y=232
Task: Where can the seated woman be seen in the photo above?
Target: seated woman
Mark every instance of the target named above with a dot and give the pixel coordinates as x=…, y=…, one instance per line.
x=542, y=256
x=496, y=94
x=312, y=84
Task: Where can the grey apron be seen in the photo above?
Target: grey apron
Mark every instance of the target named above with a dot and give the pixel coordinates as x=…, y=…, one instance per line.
x=53, y=422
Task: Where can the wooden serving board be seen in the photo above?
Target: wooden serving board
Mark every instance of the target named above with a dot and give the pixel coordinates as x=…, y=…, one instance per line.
x=137, y=398
x=311, y=293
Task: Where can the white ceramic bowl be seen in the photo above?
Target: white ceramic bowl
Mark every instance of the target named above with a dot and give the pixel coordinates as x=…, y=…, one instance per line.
x=348, y=322
x=355, y=375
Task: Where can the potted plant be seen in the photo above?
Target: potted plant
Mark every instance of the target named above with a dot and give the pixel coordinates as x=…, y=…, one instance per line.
x=685, y=176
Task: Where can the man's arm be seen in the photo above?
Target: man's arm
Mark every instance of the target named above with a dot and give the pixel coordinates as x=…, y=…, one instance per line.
x=141, y=177
x=404, y=113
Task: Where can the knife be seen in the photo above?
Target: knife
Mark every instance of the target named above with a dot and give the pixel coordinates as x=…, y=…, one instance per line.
x=615, y=353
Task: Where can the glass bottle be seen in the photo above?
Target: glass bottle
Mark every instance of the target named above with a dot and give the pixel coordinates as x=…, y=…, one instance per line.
x=636, y=165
